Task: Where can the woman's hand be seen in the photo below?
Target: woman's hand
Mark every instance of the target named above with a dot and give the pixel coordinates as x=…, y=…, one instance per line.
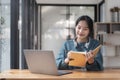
x=90, y=57
x=68, y=57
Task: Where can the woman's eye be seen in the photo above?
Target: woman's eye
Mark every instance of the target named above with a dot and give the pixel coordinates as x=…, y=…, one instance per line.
x=86, y=29
x=79, y=28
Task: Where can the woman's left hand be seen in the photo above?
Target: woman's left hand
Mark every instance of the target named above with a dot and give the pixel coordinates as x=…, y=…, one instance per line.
x=90, y=57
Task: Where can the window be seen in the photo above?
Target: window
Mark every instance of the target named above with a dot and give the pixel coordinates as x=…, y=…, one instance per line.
x=4, y=35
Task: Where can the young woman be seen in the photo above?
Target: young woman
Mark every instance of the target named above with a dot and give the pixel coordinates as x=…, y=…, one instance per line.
x=83, y=42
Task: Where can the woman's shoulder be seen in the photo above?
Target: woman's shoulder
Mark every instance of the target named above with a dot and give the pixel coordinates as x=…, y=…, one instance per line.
x=68, y=41
x=71, y=41
x=94, y=42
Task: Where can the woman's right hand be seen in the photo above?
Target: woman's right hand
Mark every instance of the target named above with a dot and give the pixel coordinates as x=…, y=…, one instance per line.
x=68, y=57
x=67, y=60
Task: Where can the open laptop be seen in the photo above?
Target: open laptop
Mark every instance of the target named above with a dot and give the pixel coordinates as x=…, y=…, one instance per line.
x=42, y=62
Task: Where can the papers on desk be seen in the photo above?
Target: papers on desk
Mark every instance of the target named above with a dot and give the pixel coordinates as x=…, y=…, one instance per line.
x=78, y=59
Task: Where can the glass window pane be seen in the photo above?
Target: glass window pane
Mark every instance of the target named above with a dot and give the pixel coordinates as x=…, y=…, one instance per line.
x=53, y=27
x=4, y=35
x=83, y=10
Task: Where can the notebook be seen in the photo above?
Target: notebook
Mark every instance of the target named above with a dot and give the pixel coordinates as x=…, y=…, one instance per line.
x=43, y=62
x=78, y=59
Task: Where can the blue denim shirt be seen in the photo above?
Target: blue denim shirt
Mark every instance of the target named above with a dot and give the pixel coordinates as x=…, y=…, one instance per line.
x=72, y=45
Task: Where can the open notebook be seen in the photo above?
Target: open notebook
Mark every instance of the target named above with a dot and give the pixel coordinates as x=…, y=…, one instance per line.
x=78, y=59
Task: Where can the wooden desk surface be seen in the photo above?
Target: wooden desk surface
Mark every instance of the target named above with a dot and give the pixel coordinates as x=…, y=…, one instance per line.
x=112, y=74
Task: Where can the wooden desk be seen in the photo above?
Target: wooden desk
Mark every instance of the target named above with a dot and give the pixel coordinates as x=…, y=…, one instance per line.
x=113, y=74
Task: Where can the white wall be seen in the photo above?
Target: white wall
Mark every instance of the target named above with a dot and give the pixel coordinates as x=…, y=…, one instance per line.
x=112, y=61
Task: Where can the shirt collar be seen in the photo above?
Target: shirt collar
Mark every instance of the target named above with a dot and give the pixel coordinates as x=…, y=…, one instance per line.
x=86, y=44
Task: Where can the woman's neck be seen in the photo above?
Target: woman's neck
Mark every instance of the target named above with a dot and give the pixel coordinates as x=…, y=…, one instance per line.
x=82, y=40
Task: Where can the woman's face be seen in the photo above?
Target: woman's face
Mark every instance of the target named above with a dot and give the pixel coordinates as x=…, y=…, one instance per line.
x=82, y=30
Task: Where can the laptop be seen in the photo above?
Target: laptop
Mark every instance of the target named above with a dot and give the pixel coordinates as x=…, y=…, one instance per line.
x=42, y=62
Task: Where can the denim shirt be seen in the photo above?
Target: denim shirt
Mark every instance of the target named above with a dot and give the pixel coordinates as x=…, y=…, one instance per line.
x=72, y=45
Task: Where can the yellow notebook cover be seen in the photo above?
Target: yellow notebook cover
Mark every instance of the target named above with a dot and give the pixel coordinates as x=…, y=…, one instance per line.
x=78, y=59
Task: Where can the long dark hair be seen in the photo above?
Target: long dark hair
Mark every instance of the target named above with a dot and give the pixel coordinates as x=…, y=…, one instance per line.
x=89, y=23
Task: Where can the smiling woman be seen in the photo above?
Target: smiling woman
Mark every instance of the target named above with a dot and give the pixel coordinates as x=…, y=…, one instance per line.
x=83, y=42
